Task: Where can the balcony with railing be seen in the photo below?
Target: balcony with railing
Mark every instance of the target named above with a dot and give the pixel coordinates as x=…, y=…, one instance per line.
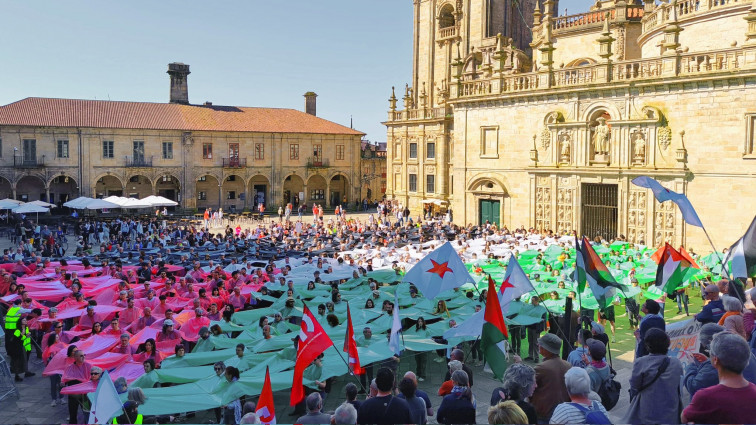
x=447, y=33
x=420, y=114
x=686, y=9
x=731, y=60
x=22, y=161
x=317, y=162
x=138, y=161
x=234, y=162
x=595, y=19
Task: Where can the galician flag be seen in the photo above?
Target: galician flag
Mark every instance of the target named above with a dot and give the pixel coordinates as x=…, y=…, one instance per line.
x=439, y=271
x=350, y=347
x=515, y=284
x=670, y=273
x=663, y=194
x=266, y=410
x=106, y=404
x=494, y=332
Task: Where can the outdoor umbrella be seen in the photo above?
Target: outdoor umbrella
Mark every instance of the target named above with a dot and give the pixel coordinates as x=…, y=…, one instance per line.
x=42, y=204
x=99, y=204
x=9, y=204
x=30, y=208
x=77, y=203
x=159, y=201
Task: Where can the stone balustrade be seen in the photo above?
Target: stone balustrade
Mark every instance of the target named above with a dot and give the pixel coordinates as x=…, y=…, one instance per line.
x=595, y=18
x=684, y=9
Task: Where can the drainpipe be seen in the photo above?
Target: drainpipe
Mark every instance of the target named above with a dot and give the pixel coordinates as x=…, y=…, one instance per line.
x=81, y=162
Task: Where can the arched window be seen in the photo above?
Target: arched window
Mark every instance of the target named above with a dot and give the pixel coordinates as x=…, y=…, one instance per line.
x=446, y=17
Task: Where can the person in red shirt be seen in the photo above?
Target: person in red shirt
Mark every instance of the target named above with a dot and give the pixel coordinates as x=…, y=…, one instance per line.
x=725, y=403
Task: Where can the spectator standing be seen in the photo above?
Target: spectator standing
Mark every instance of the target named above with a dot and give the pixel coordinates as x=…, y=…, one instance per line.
x=651, y=320
x=714, y=310
x=655, y=384
x=384, y=408
x=550, y=387
x=459, y=406
x=576, y=410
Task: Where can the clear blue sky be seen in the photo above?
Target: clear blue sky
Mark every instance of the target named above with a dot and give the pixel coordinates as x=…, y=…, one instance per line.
x=243, y=53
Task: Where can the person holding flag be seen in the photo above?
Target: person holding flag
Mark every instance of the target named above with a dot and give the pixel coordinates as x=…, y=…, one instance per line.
x=494, y=333
x=350, y=347
x=266, y=409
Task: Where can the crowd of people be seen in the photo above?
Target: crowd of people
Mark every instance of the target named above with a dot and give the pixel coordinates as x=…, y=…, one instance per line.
x=145, y=296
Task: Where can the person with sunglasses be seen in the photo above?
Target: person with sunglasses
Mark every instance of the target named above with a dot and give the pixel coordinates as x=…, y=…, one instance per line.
x=77, y=372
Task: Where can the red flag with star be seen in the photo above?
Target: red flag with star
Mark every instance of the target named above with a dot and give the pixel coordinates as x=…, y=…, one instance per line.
x=312, y=342
x=515, y=284
x=350, y=347
x=439, y=271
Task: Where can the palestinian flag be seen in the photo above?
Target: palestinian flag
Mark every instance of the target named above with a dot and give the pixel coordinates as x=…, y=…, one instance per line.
x=670, y=274
x=742, y=255
x=590, y=270
x=494, y=333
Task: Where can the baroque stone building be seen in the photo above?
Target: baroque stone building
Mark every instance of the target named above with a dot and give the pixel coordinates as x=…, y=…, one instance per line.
x=547, y=131
x=198, y=155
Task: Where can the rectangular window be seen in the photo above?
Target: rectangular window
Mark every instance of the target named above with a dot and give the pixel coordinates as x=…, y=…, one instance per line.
x=413, y=182
x=107, y=149
x=430, y=183
x=430, y=150
x=317, y=153
x=413, y=151
x=259, y=151
x=202, y=196
x=62, y=149
x=207, y=151
x=340, y=152
x=317, y=194
x=29, y=151
x=231, y=194
x=294, y=151
x=167, y=150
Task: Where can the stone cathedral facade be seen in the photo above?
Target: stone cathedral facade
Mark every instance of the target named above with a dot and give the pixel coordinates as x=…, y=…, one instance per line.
x=519, y=116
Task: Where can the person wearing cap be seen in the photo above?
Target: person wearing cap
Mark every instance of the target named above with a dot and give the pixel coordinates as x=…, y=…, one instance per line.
x=651, y=320
x=550, y=387
x=597, y=368
x=86, y=321
x=714, y=309
x=130, y=414
x=167, y=333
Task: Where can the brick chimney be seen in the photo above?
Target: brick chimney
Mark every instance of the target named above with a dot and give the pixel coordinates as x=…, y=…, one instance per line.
x=310, y=103
x=179, y=86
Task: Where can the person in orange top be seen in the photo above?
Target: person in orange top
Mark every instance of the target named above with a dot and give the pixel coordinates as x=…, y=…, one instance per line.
x=447, y=386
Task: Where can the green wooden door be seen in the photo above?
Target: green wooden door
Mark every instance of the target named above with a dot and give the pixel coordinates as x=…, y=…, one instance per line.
x=490, y=211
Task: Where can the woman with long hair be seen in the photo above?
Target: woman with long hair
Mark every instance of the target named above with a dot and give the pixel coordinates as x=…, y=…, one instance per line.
x=459, y=406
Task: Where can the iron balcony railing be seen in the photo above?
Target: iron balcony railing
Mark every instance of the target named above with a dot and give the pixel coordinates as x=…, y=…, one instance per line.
x=138, y=161
x=234, y=162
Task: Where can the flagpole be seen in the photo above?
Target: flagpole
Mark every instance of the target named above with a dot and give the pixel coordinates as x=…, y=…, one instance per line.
x=349, y=368
x=721, y=261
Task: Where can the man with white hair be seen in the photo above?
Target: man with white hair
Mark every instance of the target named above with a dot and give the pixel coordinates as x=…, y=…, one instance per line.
x=314, y=416
x=726, y=402
x=344, y=414
x=580, y=406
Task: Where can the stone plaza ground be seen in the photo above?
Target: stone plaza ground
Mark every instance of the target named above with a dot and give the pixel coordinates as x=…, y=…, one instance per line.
x=33, y=404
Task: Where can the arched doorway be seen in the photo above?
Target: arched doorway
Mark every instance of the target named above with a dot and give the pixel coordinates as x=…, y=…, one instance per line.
x=208, y=192
x=339, y=190
x=138, y=186
x=316, y=189
x=6, y=189
x=293, y=190
x=234, y=198
x=108, y=186
x=63, y=189
x=169, y=187
x=30, y=188
x=258, y=191
x=489, y=200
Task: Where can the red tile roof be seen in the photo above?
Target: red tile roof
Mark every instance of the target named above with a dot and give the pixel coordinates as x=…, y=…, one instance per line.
x=46, y=112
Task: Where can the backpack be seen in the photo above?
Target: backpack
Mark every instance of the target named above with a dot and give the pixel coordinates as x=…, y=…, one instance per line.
x=609, y=391
x=594, y=415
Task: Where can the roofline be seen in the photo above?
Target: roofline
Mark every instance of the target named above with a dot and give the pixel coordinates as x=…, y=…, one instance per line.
x=356, y=133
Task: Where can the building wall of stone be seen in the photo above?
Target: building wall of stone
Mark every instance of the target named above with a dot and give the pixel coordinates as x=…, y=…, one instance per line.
x=180, y=173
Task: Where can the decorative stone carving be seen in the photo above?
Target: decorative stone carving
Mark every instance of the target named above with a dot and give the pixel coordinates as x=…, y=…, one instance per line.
x=565, y=147
x=397, y=168
x=636, y=216
x=639, y=147
x=620, y=43
x=664, y=223
x=545, y=138
x=543, y=207
x=664, y=137
x=601, y=135
x=564, y=210
x=412, y=169
x=430, y=169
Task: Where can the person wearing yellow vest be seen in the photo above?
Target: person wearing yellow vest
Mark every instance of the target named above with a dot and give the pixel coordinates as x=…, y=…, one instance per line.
x=12, y=317
x=130, y=414
x=19, y=348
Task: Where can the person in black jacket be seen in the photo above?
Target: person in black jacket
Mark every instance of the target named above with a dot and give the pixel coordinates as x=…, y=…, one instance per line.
x=459, y=406
x=384, y=408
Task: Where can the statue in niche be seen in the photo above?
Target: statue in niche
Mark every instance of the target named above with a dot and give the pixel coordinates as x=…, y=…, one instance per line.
x=601, y=137
x=639, y=149
x=564, y=148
